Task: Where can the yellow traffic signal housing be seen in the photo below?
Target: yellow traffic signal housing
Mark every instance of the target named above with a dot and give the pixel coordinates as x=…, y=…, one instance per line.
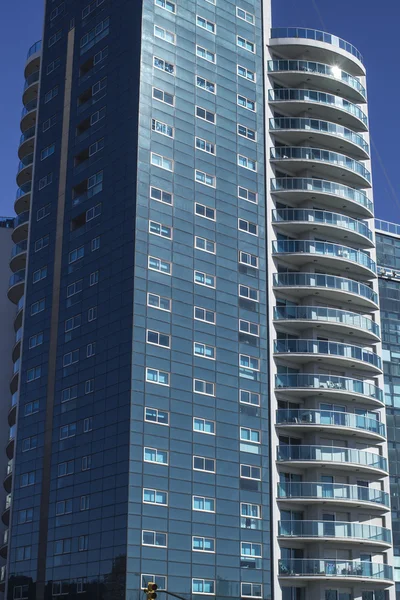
x=151, y=590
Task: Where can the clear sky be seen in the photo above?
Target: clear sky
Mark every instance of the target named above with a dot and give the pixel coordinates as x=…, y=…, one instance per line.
x=369, y=25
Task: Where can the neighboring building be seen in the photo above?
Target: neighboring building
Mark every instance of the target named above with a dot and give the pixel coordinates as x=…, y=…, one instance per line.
x=200, y=387
x=388, y=255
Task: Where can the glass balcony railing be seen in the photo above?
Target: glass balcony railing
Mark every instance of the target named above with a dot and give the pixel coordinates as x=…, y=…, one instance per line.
x=323, y=249
x=307, y=184
x=328, y=348
x=323, y=156
x=309, y=567
x=19, y=248
x=8, y=502
x=318, y=36
x=14, y=397
x=301, y=95
x=16, y=366
x=305, y=66
x=28, y=107
x=308, y=215
x=333, y=491
x=11, y=435
x=9, y=467
x=18, y=336
x=329, y=282
x=303, y=416
x=322, y=313
x=33, y=78
x=20, y=304
x=36, y=47
x=5, y=537
x=328, y=382
x=305, y=124
x=21, y=218
x=25, y=162
x=329, y=454
x=27, y=135
x=18, y=277
x=334, y=529
x=25, y=188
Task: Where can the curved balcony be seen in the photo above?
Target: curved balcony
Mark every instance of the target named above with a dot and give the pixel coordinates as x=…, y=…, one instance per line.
x=5, y=517
x=322, y=46
x=28, y=115
x=16, y=352
x=332, y=353
x=326, y=254
x=329, y=387
x=332, y=79
x=15, y=377
x=26, y=143
x=299, y=189
x=297, y=131
x=11, y=442
x=33, y=58
x=4, y=545
x=7, y=482
x=335, y=457
x=304, y=419
x=13, y=410
x=325, y=164
x=301, y=220
x=341, y=531
x=31, y=86
x=18, y=256
x=23, y=198
x=24, y=172
x=321, y=105
x=326, y=286
x=346, y=570
x=334, y=493
x=16, y=286
x=292, y=319
x=19, y=315
x=21, y=226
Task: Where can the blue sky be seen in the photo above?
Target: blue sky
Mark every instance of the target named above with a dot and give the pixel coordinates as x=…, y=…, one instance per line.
x=372, y=27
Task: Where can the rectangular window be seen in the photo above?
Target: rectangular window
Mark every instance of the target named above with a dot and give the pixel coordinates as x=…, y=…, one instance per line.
x=246, y=163
x=163, y=96
x=53, y=39
x=249, y=328
x=204, y=279
x=67, y=431
x=246, y=16
x=34, y=373
x=45, y=181
x=70, y=358
x=93, y=278
x=204, y=84
x=166, y=4
x=155, y=497
x=204, y=244
x=92, y=314
x=248, y=195
x=25, y=516
x=202, y=314
x=160, y=229
x=27, y=479
x=97, y=116
x=201, y=463
x=41, y=243
x=250, y=435
x=47, y=152
x=84, y=503
x=205, y=146
x=99, y=86
x=246, y=132
x=102, y=55
x=245, y=258
x=164, y=34
x=246, y=397
x=205, y=24
x=250, y=510
x=155, y=415
x=20, y=592
x=204, y=350
x=160, y=302
x=91, y=7
x=205, y=178
x=69, y=393
x=96, y=147
x=162, y=162
x=246, y=103
x=31, y=408
x=203, y=544
x=94, y=183
x=95, y=243
x=87, y=424
x=203, y=387
x=156, y=376
x=23, y=553
x=154, y=538
x=62, y=546
x=95, y=35
x=86, y=463
x=251, y=590
x=47, y=124
x=157, y=264
x=249, y=362
x=158, y=339
x=65, y=468
x=51, y=94
x=162, y=128
x=37, y=307
x=163, y=65
x=203, y=586
x=160, y=195
x=83, y=543
x=204, y=211
x=93, y=212
x=76, y=254
x=250, y=472
x=43, y=212
x=90, y=349
x=63, y=507
x=36, y=340
x=159, y=580
x=39, y=274
x=156, y=456
x=203, y=425
x=89, y=386
x=206, y=115
x=29, y=443
x=206, y=54
x=204, y=504
x=247, y=226
x=245, y=44
x=73, y=323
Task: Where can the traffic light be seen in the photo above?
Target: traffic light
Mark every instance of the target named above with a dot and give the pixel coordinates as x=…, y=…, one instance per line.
x=151, y=590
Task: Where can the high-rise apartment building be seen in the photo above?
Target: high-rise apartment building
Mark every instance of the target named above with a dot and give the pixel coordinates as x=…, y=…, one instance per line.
x=200, y=394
